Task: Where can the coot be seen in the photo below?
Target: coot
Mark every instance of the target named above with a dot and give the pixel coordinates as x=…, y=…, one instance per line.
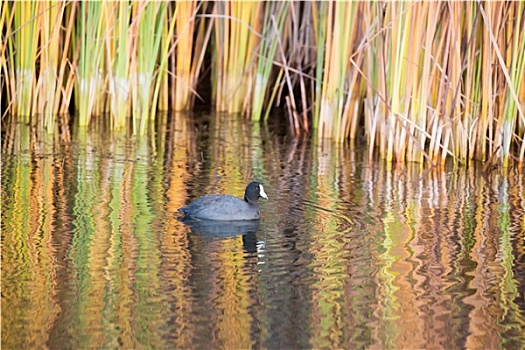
x=225, y=207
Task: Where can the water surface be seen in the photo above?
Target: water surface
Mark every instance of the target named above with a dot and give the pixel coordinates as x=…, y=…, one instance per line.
x=348, y=254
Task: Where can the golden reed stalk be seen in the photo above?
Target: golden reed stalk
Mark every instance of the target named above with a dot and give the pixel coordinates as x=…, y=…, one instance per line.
x=421, y=81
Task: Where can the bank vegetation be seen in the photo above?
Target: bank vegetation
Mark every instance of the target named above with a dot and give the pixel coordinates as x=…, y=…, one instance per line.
x=419, y=81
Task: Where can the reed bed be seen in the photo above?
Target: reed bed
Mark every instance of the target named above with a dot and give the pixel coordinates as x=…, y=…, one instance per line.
x=419, y=81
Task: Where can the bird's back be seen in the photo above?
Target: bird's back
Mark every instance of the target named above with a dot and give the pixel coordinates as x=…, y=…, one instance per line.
x=221, y=207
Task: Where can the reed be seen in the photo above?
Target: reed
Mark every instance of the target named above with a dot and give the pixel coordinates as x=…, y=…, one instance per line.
x=512, y=65
x=118, y=57
x=184, y=31
x=150, y=17
x=472, y=66
x=192, y=37
x=49, y=62
x=272, y=29
x=298, y=56
x=438, y=97
x=339, y=36
x=6, y=74
x=26, y=24
x=422, y=81
x=159, y=100
x=54, y=82
x=236, y=35
x=422, y=54
x=90, y=67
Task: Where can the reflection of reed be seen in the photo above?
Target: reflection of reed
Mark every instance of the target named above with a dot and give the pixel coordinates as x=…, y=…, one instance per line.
x=348, y=254
x=288, y=168
x=450, y=246
x=180, y=154
x=327, y=249
x=29, y=266
x=223, y=167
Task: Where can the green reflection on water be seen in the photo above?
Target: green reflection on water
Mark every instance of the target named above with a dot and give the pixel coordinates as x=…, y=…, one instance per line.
x=348, y=255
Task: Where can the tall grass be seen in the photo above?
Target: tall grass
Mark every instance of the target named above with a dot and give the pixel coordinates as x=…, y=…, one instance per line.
x=190, y=51
x=420, y=81
x=50, y=60
x=151, y=17
x=118, y=44
x=512, y=65
x=237, y=25
x=336, y=98
x=432, y=74
x=90, y=44
x=26, y=23
x=272, y=28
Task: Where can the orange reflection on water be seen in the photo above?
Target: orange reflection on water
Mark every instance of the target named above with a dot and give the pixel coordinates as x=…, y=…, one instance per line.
x=348, y=254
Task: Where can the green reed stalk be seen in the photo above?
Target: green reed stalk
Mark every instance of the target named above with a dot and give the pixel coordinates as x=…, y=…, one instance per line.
x=168, y=28
x=400, y=102
x=24, y=53
x=6, y=70
x=236, y=36
x=472, y=77
x=355, y=80
x=68, y=62
x=90, y=73
x=118, y=57
x=517, y=52
x=163, y=103
x=455, y=133
x=151, y=17
x=372, y=75
x=320, y=30
x=65, y=79
x=398, y=19
x=242, y=54
x=521, y=126
x=380, y=90
x=272, y=27
x=513, y=110
x=491, y=80
x=484, y=134
x=407, y=121
x=52, y=61
x=338, y=37
x=425, y=21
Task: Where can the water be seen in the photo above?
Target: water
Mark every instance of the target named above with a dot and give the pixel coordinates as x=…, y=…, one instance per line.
x=348, y=254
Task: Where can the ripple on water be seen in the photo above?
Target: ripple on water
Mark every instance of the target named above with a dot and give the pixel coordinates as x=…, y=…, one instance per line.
x=348, y=254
